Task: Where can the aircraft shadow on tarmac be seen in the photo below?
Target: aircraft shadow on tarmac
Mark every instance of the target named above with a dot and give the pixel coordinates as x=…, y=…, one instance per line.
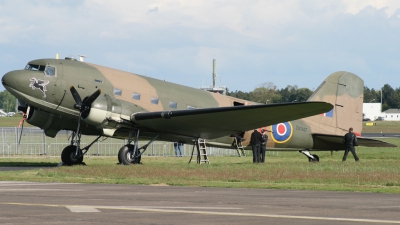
x=28, y=164
x=13, y=166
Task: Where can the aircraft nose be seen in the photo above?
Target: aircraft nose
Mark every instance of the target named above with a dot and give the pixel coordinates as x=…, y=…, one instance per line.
x=10, y=79
x=6, y=79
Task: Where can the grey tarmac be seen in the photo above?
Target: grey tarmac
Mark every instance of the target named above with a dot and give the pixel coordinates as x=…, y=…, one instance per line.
x=62, y=203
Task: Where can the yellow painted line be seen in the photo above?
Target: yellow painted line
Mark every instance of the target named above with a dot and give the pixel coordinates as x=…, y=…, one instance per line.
x=217, y=213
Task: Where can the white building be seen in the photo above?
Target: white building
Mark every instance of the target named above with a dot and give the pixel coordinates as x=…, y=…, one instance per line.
x=372, y=110
x=392, y=115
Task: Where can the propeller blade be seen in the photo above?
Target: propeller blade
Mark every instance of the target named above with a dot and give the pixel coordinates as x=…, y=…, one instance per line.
x=88, y=101
x=75, y=95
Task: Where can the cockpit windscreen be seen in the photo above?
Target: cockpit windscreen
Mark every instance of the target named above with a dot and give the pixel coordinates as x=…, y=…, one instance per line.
x=35, y=67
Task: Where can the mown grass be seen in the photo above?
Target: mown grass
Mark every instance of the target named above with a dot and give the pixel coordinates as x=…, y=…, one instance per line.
x=378, y=171
x=12, y=121
x=382, y=126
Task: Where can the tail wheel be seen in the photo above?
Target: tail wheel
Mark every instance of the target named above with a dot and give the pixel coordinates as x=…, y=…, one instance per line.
x=68, y=156
x=125, y=155
x=316, y=159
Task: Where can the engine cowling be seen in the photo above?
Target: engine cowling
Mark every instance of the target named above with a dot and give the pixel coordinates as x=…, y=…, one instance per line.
x=98, y=112
x=50, y=123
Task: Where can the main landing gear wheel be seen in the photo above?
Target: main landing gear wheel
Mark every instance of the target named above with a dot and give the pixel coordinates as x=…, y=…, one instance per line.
x=316, y=159
x=68, y=156
x=125, y=155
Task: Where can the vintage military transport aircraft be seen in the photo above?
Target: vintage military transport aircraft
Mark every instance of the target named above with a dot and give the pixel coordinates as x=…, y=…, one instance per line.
x=128, y=106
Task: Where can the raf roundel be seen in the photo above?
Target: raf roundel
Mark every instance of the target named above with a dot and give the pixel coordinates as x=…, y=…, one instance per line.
x=282, y=132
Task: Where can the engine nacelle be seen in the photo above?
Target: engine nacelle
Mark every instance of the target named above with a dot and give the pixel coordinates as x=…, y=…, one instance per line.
x=50, y=123
x=98, y=113
x=109, y=114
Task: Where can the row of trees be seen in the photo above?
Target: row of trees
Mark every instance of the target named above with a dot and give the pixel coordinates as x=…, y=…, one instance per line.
x=390, y=97
x=7, y=101
x=268, y=93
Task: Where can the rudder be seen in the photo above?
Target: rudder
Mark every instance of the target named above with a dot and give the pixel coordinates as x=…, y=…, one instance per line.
x=345, y=91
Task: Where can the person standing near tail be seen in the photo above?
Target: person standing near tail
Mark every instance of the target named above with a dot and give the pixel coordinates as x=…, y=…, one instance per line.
x=350, y=140
x=263, y=145
x=256, y=145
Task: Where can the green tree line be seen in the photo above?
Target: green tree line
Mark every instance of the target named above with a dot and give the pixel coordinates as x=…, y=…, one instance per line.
x=7, y=101
x=268, y=93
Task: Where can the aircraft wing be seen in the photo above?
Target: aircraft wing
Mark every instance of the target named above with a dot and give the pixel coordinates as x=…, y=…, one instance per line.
x=335, y=142
x=216, y=122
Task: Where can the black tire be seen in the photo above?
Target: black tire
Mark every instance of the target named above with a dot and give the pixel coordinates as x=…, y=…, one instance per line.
x=316, y=159
x=125, y=155
x=68, y=156
x=119, y=154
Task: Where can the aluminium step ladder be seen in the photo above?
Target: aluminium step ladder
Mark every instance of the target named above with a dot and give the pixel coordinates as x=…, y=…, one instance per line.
x=239, y=147
x=201, y=149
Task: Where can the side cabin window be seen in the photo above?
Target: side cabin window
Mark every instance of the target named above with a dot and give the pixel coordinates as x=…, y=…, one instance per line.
x=117, y=91
x=173, y=105
x=50, y=71
x=136, y=96
x=154, y=100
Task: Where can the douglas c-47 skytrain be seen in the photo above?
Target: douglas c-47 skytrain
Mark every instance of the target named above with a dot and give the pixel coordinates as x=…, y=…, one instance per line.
x=66, y=94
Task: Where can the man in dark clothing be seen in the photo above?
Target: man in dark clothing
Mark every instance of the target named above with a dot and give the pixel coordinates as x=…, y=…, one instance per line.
x=264, y=140
x=350, y=140
x=256, y=144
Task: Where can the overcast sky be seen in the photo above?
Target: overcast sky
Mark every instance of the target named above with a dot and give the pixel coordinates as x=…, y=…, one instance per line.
x=286, y=42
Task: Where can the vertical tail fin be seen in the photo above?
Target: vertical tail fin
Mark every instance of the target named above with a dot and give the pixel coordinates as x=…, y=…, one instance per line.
x=345, y=91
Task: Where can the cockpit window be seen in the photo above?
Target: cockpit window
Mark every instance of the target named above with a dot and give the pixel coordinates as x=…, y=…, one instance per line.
x=35, y=67
x=50, y=70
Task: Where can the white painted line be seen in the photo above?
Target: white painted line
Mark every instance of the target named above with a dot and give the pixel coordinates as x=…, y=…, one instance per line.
x=157, y=209
x=80, y=209
x=252, y=215
x=177, y=207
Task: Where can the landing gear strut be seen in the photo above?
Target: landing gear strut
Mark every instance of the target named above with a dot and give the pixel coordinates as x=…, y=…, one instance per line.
x=68, y=155
x=311, y=158
x=131, y=154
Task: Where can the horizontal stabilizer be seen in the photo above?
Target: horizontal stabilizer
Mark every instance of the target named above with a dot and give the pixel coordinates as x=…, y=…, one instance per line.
x=335, y=142
x=223, y=121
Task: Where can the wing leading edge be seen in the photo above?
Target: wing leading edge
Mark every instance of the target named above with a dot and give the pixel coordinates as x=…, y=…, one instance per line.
x=222, y=121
